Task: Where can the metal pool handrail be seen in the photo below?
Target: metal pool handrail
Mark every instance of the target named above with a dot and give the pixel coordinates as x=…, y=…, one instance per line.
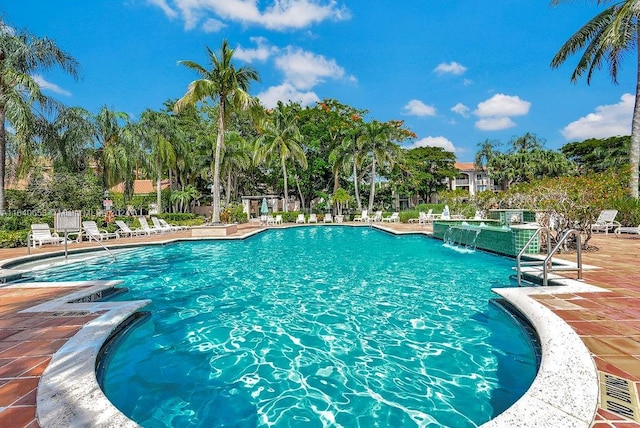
x=547, y=263
x=519, y=261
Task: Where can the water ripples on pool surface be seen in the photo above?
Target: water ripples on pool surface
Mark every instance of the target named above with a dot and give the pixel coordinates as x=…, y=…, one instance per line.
x=314, y=326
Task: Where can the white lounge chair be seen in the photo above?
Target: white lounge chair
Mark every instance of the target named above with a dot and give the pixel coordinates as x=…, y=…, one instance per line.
x=270, y=220
x=144, y=225
x=125, y=230
x=628, y=229
x=159, y=226
x=364, y=217
x=92, y=232
x=278, y=219
x=312, y=218
x=41, y=234
x=393, y=218
x=377, y=217
x=606, y=221
x=164, y=223
x=300, y=219
x=424, y=218
x=328, y=218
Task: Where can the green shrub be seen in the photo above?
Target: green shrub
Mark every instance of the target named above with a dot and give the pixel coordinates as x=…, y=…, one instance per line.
x=628, y=211
x=13, y=238
x=405, y=216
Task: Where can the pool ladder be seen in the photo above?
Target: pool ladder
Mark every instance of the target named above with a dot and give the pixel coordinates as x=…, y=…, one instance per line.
x=547, y=262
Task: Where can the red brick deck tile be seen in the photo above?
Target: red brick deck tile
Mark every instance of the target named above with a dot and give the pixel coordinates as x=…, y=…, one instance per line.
x=598, y=346
x=20, y=366
x=33, y=348
x=588, y=328
x=625, y=424
x=16, y=389
x=29, y=399
x=18, y=417
x=628, y=364
x=625, y=345
x=39, y=369
x=606, y=366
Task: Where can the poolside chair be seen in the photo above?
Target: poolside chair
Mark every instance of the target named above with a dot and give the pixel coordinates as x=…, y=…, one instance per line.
x=328, y=218
x=145, y=226
x=313, y=218
x=606, y=221
x=424, y=218
x=41, y=234
x=125, y=230
x=300, y=218
x=393, y=218
x=92, y=232
x=164, y=223
x=160, y=226
x=364, y=217
x=377, y=217
x=628, y=229
x=278, y=219
x=270, y=220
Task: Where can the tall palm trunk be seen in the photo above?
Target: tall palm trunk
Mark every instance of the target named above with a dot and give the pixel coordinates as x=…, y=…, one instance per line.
x=159, y=184
x=302, y=201
x=286, y=187
x=228, y=199
x=355, y=185
x=373, y=183
x=3, y=157
x=634, y=156
x=216, y=163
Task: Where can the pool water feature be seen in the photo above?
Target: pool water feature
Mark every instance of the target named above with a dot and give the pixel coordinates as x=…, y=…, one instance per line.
x=317, y=326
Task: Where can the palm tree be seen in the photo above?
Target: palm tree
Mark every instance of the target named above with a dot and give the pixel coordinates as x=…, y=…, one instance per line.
x=110, y=148
x=234, y=158
x=22, y=53
x=377, y=139
x=608, y=37
x=486, y=152
x=348, y=156
x=65, y=138
x=280, y=140
x=226, y=84
x=156, y=130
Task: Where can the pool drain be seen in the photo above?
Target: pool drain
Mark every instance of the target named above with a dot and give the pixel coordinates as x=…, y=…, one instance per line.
x=619, y=396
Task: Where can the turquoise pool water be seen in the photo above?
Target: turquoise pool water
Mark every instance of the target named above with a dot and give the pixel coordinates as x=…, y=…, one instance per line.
x=314, y=326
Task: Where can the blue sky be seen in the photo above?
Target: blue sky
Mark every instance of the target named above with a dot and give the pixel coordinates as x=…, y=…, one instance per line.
x=457, y=72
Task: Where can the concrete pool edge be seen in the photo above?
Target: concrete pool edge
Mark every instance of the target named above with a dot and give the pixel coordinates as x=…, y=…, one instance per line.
x=565, y=390
x=68, y=391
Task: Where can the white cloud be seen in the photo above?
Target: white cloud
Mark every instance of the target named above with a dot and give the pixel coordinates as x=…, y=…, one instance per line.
x=162, y=4
x=496, y=112
x=212, y=25
x=451, y=68
x=418, y=108
x=495, y=123
x=305, y=69
x=277, y=15
x=50, y=86
x=607, y=121
x=434, y=142
x=262, y=52
x=285, y=93
x=461, y=109
x=503, y=105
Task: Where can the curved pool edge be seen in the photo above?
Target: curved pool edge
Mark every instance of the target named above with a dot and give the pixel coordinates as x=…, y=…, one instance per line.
x=68, y=392
x=565, y=391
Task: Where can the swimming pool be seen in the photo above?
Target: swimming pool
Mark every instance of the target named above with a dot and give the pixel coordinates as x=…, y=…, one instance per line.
x=315, y=325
